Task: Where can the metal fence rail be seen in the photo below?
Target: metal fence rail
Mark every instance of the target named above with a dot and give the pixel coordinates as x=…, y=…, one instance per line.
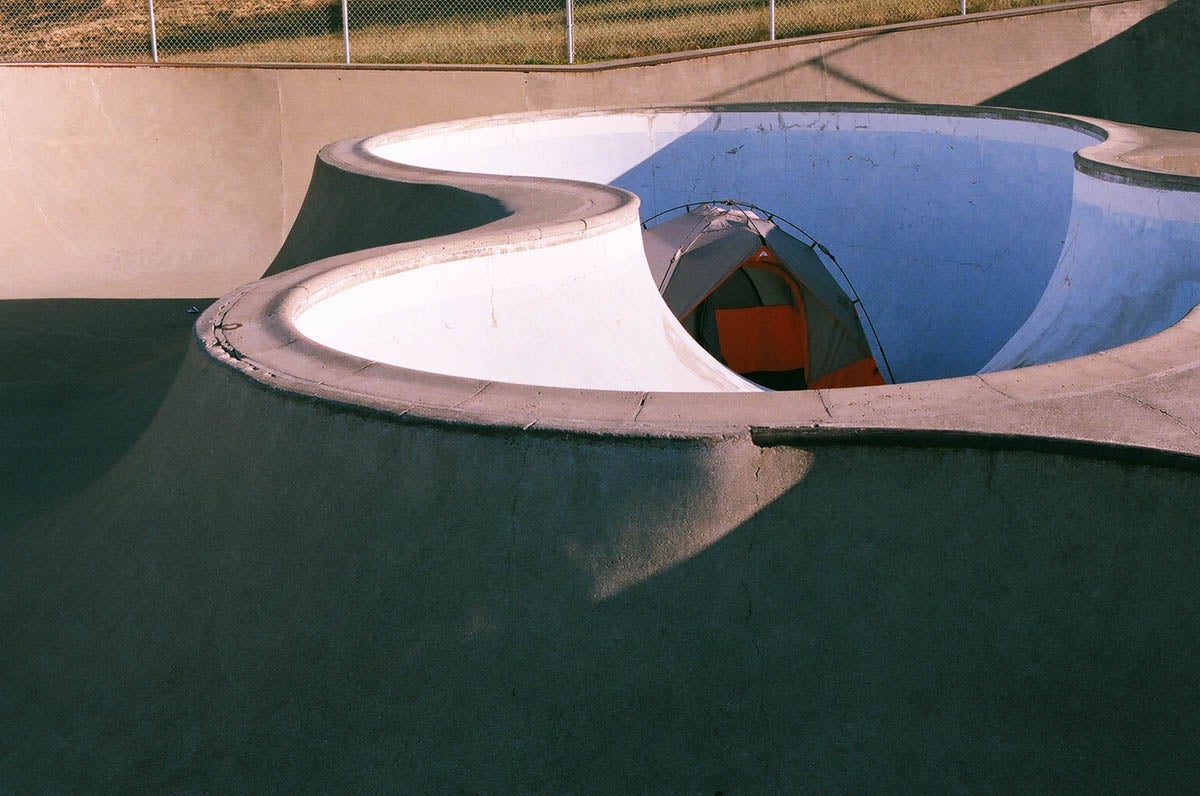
x=414, y=31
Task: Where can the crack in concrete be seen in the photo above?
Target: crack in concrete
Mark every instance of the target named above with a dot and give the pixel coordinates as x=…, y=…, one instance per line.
x=510, y=590
x=100, y=104
x=1160, y=410
x=473, y=395
x=67, y=240
x=825, y=406
x=492, y=297
x=12, y=150
x=993, y=387
x=762, y=668
x=641, y=406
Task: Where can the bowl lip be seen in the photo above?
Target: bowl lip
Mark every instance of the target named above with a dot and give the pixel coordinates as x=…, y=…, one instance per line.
x=1059, y=406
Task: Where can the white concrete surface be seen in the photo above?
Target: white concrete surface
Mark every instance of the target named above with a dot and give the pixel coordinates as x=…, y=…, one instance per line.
x=583, y=314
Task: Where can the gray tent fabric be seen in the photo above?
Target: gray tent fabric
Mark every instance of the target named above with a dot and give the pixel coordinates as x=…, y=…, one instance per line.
x=702, y=248
x=697, y=252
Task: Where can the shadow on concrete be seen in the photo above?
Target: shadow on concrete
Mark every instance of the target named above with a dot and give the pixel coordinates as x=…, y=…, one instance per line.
x=340, y=603
x=80, y=379
x=1149, y=75
x=821, y=62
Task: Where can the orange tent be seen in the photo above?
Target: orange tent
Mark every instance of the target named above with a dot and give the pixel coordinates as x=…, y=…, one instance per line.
x=759, y=300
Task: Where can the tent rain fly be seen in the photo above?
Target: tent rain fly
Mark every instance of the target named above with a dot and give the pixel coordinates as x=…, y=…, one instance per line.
x=759, y=300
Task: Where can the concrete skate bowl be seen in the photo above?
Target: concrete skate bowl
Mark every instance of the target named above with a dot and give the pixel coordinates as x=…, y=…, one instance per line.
x=979, y=241
x=325, y=569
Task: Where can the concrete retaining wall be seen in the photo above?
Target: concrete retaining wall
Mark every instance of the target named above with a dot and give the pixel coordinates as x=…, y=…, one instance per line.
x=139, y=181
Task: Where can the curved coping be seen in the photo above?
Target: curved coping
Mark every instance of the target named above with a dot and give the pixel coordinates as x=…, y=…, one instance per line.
x=1114, y=404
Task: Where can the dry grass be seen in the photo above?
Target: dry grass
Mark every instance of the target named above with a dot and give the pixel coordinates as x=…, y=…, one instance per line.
x=487, y=31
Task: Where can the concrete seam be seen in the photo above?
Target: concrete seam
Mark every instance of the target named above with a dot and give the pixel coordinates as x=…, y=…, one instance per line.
x=7, y=132
x=824, y=67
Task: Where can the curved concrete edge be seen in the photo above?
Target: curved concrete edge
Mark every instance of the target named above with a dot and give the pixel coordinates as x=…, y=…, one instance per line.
x=1143, y=156
x=357, y=200
x=1127, y=153
x=1137, y=397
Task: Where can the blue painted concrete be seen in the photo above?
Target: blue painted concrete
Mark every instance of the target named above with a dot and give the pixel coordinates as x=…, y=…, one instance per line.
x=948, y=226
x=1130, y=268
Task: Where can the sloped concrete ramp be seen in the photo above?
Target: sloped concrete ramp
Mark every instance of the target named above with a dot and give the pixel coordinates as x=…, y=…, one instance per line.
x=483, y=608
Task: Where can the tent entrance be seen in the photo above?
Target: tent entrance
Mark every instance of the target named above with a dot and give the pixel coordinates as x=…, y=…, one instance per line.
x=754, y=322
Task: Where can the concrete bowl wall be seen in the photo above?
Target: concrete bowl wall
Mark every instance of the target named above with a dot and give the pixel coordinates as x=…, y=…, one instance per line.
x=948, y=223
x=581, y=312
x=921, y=209
x=495, y=222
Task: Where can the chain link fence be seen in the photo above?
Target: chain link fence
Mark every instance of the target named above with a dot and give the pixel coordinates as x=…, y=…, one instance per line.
x=444, y=31
x=608, y=29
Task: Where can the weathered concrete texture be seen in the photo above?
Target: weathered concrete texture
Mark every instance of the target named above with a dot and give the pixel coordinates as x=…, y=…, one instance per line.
x=954, y=61
x=136, y=183
x=463, y=610
x=196, y=173
x=947, y=585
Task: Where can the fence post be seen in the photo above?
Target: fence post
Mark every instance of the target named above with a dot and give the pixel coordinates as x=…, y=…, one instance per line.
x=771, y=3
x=153, y=33
x=964, y=7
x=570, y=32
x=346, y=30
